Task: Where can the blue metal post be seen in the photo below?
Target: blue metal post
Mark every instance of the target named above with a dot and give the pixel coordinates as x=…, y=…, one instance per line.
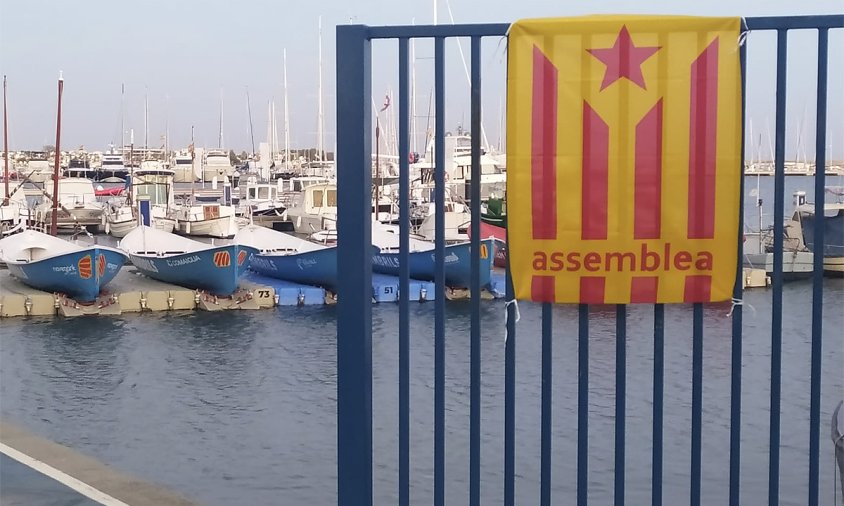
x=582, y=404
x=354, y=308
x=659, y=376
x=475, y=373
x=776, y=310
x=817, y=281
x=510, y=395
x=143, y=208
x=620, y=398
x=439, y=275
x=697, y=400
x=404, y=280
x=545, y=435
x=735, y=358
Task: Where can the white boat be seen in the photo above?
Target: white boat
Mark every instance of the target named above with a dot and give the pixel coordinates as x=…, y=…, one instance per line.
x=183, y=168
x=458, y=167
x=217, y=165
x=78, y=205
x=14, y=213
x=112, y=169
x=457, y=221
x=38, y=171
x=314, y=209
x=261, y=198
x=206, y=220
x=152, y=182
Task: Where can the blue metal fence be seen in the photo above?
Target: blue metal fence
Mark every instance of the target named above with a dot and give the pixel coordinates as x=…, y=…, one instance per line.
x=354, y=327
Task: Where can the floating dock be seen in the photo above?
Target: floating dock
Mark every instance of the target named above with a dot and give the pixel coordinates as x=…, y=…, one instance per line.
x=132, y=292
x=288, y=293
x=128, y=292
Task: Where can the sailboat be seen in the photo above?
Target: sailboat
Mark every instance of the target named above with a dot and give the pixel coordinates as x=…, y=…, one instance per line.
x=48, y=263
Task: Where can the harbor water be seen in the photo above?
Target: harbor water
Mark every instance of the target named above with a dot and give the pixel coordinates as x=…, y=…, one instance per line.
x=240, y=407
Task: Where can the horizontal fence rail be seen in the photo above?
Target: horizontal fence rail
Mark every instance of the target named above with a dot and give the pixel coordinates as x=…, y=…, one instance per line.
x=354, y=328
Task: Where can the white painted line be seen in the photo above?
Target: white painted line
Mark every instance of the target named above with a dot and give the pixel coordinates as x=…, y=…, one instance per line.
x=63, y=478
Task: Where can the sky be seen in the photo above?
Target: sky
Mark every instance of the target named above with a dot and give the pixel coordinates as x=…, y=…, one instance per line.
x=183, y=56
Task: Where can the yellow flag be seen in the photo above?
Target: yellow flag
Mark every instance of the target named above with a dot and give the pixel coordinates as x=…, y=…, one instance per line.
x=624, y=158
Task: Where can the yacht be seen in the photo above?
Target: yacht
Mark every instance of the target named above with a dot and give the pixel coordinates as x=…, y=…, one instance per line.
x=183, y=168
x=112, y=169
x=217, y=165
x=78, y=205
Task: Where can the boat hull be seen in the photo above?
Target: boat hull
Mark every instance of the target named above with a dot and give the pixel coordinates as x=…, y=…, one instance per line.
x=80, y=274
x=500, y=243
x=216, y=270
x=458, y=264
x=318, y=267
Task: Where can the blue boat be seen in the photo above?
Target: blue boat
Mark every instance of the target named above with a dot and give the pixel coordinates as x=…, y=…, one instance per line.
x=458, y=261
x=286, y=257
x=181, y=261
x=55, y=265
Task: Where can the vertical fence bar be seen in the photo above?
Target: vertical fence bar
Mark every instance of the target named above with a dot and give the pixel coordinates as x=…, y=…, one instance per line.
x=510, y=394
x=582, y=404
x=439, y=274
x=697, y=400
x=817, y=268
x=776, y=310
x=475, y=338
x=545, y=452
x=404, y=280
x=738, y=288
x=659, y=376
x=620, y=398
x=354, y=309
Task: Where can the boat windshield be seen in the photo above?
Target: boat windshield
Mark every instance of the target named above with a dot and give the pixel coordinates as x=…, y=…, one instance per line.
x=157, y=193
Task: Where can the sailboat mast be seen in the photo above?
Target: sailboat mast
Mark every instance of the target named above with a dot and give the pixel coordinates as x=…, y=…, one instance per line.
x=122, y=119
x=54, y=226
x=220, y=141
x=286, y=119
x=274, y=152
x=5, y=145
x=167, y=130
x=192, y=167
x=249, y=112
x=320, y=125
x=146, y=123
x=413, y=133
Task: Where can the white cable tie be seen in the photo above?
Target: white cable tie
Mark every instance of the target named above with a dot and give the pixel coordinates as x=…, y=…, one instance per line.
x=739, y=302
x=507, y=304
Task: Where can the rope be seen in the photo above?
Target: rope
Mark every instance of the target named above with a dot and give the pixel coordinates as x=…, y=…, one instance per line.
x=739, y=302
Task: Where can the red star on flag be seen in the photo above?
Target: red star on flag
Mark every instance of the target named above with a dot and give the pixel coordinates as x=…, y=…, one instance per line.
x=623, y=59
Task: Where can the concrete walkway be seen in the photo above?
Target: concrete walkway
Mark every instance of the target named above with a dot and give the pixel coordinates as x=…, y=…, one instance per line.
x=35, y=471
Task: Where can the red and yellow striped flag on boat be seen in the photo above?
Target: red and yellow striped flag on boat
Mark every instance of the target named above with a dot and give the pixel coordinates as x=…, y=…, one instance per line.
x=623, y=158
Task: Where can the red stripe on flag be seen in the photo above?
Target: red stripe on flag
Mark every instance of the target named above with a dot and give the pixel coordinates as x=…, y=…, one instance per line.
x=596, y=135
x=544, y=147
x=702, y=133
x=698, y=289
x=643, y=289
x=542, y=289
x=592, y=290
x=648, y=185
